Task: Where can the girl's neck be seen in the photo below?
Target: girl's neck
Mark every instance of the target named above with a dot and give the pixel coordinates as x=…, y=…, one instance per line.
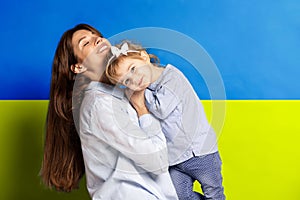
x=156, y=72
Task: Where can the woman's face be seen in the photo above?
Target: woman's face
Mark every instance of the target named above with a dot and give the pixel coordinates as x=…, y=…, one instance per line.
x=90, y=49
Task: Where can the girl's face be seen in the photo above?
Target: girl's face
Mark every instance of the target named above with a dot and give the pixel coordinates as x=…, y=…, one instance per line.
x=89, y=48
x=136, y=74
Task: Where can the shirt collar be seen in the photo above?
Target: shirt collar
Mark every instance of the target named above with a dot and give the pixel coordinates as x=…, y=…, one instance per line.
x=158, y=82
x=106, y=88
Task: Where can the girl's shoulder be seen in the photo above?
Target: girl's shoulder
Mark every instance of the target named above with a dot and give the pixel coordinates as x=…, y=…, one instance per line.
x=172, y=72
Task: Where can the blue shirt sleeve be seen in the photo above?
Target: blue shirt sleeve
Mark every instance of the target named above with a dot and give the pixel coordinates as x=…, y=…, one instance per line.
x=167, y=95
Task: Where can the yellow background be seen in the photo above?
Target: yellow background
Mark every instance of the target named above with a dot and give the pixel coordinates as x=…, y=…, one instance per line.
x=258, y=143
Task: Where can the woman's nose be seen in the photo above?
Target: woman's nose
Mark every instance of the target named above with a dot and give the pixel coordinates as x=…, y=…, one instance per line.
x=98, y=40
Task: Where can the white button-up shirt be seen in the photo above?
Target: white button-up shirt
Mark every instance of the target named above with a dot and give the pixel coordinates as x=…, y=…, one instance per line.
x=172, y=99
x=122, y=161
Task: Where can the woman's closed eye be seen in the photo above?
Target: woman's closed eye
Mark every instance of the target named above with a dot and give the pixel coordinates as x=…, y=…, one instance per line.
x=86, y=43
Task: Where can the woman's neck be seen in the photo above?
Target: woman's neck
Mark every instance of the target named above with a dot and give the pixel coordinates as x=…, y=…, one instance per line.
x=104, y=79
x=94, y=76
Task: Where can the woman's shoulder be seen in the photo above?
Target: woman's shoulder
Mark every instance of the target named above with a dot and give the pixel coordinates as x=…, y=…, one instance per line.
x=95, y=98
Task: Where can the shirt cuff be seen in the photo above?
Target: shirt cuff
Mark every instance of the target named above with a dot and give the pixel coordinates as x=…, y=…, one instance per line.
x=145, y=120
x=150, y=125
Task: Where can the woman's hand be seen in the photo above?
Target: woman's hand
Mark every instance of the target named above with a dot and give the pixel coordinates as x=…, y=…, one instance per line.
x=137, y=100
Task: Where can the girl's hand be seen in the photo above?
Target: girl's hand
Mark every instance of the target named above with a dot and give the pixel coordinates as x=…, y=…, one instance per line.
x=137, y=100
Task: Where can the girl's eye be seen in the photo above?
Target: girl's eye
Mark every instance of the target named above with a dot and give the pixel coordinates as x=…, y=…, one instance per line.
x=132, y=69
x=126, y=81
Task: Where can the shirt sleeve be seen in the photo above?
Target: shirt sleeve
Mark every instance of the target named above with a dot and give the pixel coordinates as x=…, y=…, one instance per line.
x=145, y=147
x=166, y=96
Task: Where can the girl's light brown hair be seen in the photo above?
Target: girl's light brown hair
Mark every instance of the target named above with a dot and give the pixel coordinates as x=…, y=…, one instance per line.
x=63, y=166
x=112, y=66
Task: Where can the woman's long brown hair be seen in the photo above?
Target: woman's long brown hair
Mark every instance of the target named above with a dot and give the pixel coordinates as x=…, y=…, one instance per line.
x=63, y=165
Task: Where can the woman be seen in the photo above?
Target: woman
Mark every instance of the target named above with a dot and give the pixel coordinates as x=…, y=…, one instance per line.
x=121, y=160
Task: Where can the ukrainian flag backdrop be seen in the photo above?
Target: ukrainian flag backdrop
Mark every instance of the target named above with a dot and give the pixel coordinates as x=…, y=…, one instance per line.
x=254, y=44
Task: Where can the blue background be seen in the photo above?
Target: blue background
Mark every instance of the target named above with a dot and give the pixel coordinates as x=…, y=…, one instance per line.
x=255, y=44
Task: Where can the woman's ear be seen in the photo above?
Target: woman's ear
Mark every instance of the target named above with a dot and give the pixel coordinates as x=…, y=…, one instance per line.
x=145, y=56
x=78, y=68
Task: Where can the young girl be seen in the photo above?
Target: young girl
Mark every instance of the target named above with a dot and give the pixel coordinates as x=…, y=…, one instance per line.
x=192, y=146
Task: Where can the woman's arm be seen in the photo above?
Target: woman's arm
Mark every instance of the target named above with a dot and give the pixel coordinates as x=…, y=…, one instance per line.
x=146, y=147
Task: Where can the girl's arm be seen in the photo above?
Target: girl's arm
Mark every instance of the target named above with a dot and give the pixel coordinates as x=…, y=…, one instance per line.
x=162, y=101
x=137, y=100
